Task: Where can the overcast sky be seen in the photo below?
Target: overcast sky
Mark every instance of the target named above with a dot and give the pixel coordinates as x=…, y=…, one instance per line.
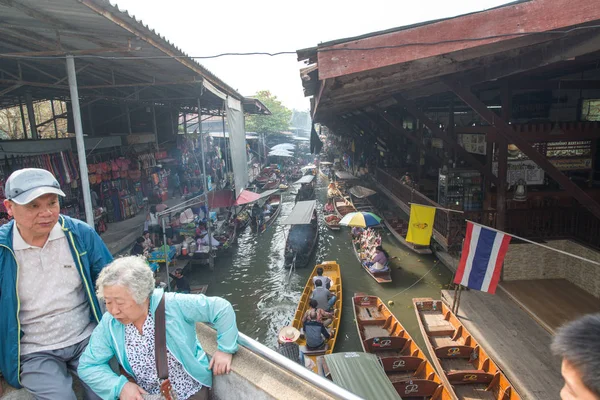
x=202, y=28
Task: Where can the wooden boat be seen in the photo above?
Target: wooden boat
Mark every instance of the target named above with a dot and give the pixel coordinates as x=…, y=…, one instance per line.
x=306, y=248
x=332, y=221
x=333, y=271
x=463, y=364
x=306, y=192
x=379, y=276
x=404, y=362
x=343, y=206
x=398, y=228
x=274, y=200
x=272, y=184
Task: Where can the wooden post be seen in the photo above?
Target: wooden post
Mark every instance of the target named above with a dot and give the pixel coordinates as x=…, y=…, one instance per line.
x=502, y=164
x=489, y=157
x=419, y=151
x=154, y=127
x=450, y=127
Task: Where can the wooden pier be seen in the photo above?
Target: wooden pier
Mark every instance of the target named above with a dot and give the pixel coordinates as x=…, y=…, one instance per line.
x=517, y=343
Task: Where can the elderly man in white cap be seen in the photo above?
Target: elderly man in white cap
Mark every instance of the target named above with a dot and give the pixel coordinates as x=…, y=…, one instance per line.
x=48, y=268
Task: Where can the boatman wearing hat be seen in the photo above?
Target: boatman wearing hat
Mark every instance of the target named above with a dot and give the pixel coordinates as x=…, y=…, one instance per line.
x=48, y=268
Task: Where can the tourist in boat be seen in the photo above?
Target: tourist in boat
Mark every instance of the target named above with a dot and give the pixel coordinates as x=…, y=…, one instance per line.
x=127, y=333
x=325, y=317
x=325, y=280
x=183, y=286
x=315, y=332
x=577, y=344
x=287, y=344
x=138, y=247
x=325, y=299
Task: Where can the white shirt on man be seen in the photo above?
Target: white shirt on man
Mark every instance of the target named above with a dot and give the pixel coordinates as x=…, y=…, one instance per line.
x=54, y=309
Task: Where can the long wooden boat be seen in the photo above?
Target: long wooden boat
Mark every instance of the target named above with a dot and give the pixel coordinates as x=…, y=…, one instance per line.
x=332, y=221
x=462, y=363
x=404, y=362
x=398, y=228
x=332, y=270
x=272, y=184
x=343, y=206
x=380, y=277
x=302, y=255
x=275, y=201
x=306, y=192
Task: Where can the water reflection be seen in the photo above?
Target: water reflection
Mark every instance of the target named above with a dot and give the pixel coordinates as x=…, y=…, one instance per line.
x=252, y=277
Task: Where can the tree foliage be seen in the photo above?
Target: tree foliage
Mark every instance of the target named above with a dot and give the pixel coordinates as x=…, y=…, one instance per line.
x=278, y=122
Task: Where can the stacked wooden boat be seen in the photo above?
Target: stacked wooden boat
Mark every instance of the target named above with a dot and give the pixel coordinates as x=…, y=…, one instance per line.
x=465, y=368
x=343, y=206
x=404, y=362
x=332, y=270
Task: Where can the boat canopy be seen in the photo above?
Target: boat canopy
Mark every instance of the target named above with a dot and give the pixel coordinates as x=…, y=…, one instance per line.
x=361, y=192
x=325, y=163
x=246, y=196
x=306, y=179
x=344, y=175
x=361, y=374
x=302, y=213
x=307, y=167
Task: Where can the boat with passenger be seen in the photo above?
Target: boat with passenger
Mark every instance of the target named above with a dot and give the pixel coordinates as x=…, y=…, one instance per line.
x=398, y=227
x=271, y=210
x=331, y=270
x=365, y=246
x=307, y=188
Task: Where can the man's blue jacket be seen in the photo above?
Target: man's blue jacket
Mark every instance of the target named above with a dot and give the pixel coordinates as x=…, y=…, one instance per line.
x=90, y=255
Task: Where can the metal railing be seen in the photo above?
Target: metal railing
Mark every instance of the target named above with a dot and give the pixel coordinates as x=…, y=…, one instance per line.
x=320, y=382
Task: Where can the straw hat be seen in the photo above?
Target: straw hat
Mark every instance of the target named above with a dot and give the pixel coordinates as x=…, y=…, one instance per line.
x=378, y=266
x=288, y=334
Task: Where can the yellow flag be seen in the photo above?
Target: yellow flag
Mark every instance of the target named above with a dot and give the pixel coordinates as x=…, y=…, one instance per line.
x=420, y=225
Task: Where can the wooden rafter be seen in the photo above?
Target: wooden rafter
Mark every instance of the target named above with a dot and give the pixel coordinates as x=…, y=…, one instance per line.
x=507, y=132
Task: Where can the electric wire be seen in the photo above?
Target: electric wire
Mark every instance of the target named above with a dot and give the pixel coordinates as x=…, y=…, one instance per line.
x=323, y=50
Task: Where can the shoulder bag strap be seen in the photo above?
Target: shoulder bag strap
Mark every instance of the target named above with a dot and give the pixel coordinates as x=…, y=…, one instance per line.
x=160, y=340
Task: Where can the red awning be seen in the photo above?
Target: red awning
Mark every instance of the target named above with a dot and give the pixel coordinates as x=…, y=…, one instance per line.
x=220, y=198
x=246, y=197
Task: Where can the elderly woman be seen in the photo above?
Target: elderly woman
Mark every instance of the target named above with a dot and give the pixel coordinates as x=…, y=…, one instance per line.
x=127, y=332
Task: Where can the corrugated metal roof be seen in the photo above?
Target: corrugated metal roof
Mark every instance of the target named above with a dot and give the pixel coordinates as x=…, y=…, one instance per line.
x=113, y=48
x=302, y=213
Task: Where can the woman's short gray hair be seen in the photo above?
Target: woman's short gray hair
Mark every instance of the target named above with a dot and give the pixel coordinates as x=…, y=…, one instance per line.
x=132, y=272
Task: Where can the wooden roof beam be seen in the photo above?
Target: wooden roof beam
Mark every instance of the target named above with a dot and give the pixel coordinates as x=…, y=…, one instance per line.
x=505, y=130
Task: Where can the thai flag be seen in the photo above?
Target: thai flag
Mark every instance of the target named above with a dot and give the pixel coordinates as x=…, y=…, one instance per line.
x=482, y=257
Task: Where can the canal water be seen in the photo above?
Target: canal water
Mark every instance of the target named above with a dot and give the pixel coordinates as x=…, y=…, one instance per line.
x=265, y=295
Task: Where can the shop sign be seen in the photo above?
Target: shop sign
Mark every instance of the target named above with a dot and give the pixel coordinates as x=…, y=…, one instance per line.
x=140, y=139
x=437, y=143
x=572, y=164
x=472, y=142
x=524, y=169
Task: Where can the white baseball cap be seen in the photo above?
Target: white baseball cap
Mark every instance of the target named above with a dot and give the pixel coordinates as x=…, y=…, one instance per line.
x=27, y=184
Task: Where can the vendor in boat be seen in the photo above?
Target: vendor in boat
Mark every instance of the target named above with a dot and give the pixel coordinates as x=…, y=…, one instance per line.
x=329, y=206
x=315, y=332
x=138, y=247
x=267, y=209
x=357, y=231
x=381, y=256
x=325, y=317
x=204, y=240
